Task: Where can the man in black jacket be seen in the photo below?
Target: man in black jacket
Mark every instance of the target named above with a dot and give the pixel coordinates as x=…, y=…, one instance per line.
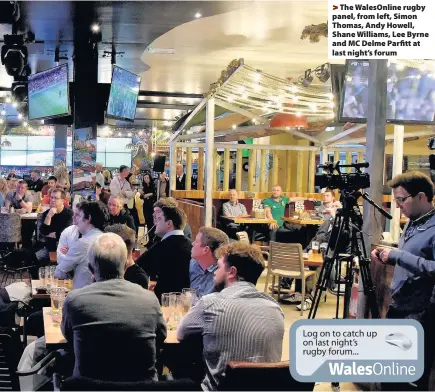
x=118, y=214
x=180, y=181
x=54, y=221
x=168, y=261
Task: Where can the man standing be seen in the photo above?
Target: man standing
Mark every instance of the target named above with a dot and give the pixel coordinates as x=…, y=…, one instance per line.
x=37, y=183
x=239, y=323
x=180, y=183
x=412, y=286
x=162, y=186
x=91, y=219
x=203, y=263
x=233, y=208
x=115, y=326
x=167, y=261
x=54, y=221
x=99, y=174
x=120, y=185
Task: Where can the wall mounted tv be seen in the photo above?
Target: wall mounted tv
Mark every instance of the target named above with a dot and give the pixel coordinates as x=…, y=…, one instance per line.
x=124, y=91
x=410, y=94
x=49, y=93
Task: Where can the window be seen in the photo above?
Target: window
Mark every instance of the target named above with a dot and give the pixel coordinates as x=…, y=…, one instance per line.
x=27, y=151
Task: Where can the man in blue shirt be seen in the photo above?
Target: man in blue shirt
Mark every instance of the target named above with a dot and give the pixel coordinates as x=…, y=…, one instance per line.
x=203, y=263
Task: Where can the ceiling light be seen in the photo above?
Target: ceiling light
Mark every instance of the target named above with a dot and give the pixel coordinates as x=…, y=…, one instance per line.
x=198, y=15
x=323, y=72
x=3, y=112
x=234, y=126
x=8, y=100
x=307, y=78
x=95, y=28
x=14, y=54
x=14, y=105
x=119, y=134
x=20, y=116
x=154, y=129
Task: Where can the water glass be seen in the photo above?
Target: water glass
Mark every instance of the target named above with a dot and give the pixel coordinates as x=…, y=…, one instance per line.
x=48, y=278
x=42, y=277
x=176, y=306
x=168, y=312
x=57, y=297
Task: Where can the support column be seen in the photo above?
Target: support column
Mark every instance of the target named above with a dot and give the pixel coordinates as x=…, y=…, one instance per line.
x=311, y=171
x=348, y=161
x=397, y=169
x=239, y=162
x=209, y=155
x=251, y=170
x=172, y=166
x=262, y=187
x=300, y=175
x=375, y=151
x=336, y=155
x=201, y=169
x=361, y=157
x=215, y=170
x=325, y=153
x=288, y=184
x=226, y=184
x=275, y=170
x=188, y=168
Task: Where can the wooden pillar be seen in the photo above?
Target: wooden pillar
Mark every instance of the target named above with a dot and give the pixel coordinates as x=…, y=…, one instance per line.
x=209, y=142
x=348, y=161
x=263, y=187
x=275, y=170
x=288, y=184
x=336, y=155
x=301, y=174
x=201, y=169
x=226, y=169
x=397, y=169
x=311, y=171
x=361, y=157
x=375, y=151
x=188, y=168
x=215, y=170
x=251, y=170
x=324, y=155
x=172, y=166
x=239, y=162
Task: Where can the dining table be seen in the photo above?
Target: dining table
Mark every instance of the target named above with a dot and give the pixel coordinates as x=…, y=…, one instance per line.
x=250, y=222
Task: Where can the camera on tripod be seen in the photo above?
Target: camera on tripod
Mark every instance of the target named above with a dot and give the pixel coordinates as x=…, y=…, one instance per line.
x=333, y=178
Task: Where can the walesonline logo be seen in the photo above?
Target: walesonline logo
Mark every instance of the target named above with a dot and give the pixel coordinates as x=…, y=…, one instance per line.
x=377, y=369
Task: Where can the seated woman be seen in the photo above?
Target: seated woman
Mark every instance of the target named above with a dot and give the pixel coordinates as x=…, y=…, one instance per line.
x=118, y=214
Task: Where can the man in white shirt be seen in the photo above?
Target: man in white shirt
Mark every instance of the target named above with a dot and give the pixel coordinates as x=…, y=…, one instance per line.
x=91, y=218
x=99, y=173
x=120, y=185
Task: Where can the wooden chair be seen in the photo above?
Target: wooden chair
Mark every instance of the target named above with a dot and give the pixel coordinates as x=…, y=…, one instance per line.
x=286, y=260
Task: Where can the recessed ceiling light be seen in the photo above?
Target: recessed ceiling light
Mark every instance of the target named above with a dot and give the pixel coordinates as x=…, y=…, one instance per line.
x=198, y=15
x=95, y=28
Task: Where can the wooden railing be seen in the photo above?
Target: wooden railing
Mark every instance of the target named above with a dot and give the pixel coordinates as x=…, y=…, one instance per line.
x=195, y=212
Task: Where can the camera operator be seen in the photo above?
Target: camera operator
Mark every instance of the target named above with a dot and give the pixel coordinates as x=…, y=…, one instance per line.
x=412, y=286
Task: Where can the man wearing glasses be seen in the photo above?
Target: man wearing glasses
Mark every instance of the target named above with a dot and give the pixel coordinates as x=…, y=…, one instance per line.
x=54, y=221
x=412, y=286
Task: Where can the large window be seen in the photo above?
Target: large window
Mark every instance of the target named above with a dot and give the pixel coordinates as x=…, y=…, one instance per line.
x=27, y=151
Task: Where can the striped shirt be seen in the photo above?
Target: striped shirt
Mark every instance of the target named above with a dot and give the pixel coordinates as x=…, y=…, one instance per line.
x=230, y=209
x=238, y=324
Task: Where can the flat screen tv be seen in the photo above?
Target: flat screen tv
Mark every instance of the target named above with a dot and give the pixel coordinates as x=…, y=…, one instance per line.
x=410, y=94
x=124, y=91
x=49, y=93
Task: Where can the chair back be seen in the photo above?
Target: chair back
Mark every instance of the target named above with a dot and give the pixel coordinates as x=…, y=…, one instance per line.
x=286, y=257
x=10, y=353
x=39, y=220
x=243, y=237
x=261, y=376
x=10, y=228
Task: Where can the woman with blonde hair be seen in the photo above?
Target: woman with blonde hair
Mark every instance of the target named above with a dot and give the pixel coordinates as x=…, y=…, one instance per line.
x=107, y=176
x=61, y=173
x=3, y=190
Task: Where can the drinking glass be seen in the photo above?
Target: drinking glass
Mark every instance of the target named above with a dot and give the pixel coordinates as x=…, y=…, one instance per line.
x=57, y=297
x=68, y=284
x=315, y=247
x=42, y=277
x=48, y=278
x=189, y=299
x=168, y=312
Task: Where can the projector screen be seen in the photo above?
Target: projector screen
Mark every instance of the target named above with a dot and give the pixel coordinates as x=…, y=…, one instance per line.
x=124, y=91
x=49, y=93
x=410, y=94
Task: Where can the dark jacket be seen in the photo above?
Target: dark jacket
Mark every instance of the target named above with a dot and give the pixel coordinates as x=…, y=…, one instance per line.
x=123, y=218
x=168, y=262
x=37, y=185
x=180, y=184
x=59, y=222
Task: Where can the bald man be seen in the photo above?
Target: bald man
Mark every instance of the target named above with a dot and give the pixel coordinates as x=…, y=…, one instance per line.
x=180, y=182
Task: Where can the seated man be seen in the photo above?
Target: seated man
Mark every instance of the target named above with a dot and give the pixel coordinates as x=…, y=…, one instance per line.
x=168, y=261
x=203, y=263
x=115, y=326
x=37, y=183
x=51, y=185
x=54, y=222
x=91, y=219
x=328, y=202
x=21, y=201
x=233, y=208
x=133, y=273
x=118, y=214
x=239, y=323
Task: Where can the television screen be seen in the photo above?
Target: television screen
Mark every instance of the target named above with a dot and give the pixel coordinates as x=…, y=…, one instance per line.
x=49, y=94
x=410, y=94
x=124, y=91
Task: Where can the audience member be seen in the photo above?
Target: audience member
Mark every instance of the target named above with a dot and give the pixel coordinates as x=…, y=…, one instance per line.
x=274, y=208
x=328, y=204
x=37, y=184
x=233, y=208
x=91, y=219
x=203, y=263
x=4, y=190
x=99, y=174
x=149, y=198
x=51, y=184
x=180, y=182
x=115, y=326
x=54, y=222
x=167, y=261
x=412, y=286
x=118, y=214
x=120, y=185
x=133, y=273
x=162, y=186
x=239, y=323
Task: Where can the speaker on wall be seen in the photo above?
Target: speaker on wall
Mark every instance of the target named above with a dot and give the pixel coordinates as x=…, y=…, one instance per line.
x=159, y=163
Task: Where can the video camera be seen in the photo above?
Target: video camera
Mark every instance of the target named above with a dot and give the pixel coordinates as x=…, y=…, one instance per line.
x=347, y=182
